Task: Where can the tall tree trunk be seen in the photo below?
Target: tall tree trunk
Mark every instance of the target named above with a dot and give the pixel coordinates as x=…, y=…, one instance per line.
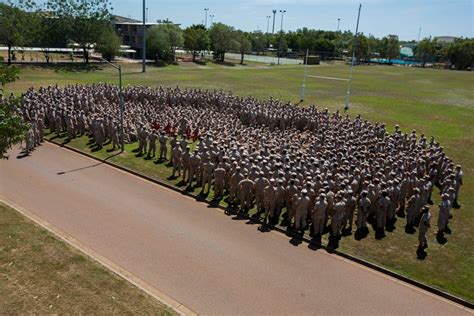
x=194, y=56
x=222, y=56
x=242, y=58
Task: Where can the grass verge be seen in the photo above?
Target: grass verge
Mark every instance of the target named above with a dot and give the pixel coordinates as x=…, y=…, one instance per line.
x=43, y=275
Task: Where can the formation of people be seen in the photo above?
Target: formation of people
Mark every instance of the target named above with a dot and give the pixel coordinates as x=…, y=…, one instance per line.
x=300, y=167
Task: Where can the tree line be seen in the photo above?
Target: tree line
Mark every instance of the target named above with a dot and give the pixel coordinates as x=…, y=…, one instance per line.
x=57, y=24
x=87, y=24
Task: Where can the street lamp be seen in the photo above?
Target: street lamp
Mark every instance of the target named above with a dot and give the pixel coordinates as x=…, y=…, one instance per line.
x=212, y=17
x=205, y=19
x=281, y=34
x=121, y=105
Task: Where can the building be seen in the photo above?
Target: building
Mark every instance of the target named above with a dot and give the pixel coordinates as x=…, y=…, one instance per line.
x=445, y=39
x=131, y=32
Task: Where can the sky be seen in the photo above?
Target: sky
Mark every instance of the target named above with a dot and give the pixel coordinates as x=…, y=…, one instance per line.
x=378, y=17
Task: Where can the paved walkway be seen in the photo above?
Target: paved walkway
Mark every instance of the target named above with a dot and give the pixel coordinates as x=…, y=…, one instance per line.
x=197, y=255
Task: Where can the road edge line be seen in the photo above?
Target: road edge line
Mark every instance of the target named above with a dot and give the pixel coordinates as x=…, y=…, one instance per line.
x=154, y=292
x=420, y=285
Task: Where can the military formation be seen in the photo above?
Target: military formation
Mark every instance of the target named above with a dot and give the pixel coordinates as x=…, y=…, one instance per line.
x=300, y=167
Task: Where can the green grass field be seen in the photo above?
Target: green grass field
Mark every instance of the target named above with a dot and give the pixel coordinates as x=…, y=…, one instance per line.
x=43, y=275
x=435, y=102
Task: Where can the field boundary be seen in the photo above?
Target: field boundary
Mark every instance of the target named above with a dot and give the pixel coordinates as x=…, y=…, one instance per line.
x=467, y=305
x=103, y=261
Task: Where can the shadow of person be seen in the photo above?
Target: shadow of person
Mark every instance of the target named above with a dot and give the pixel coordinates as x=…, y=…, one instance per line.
x=361, y=233
x=421, y=253
x=379, y=233
x=297, y=239
x=333, y=243
x=441, y=239
x=409, y=229
x=264, y=228
x=315, y=243
x=22, y=155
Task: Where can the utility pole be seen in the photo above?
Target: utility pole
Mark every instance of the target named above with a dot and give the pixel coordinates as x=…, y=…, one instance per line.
x=268, y=22
x=144, y=40
x=205, y=17
x=354, y=47
x=281, y=35
x=419, y=33
x=273, y=27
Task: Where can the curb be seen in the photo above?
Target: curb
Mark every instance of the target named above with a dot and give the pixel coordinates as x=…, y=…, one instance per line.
x=420, y=285
x=164, y=299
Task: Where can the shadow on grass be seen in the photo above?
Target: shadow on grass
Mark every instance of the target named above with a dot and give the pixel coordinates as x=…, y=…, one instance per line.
x=69, y=67
x=224, y=63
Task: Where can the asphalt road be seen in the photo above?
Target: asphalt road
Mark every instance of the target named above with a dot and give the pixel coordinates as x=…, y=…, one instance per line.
x=199, y=256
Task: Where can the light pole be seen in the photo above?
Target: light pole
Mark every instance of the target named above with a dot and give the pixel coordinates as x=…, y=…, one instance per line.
x=335, y=45
x=281, y=35
x=273, y=27
x=121, y=104
x=268, y=22
x=144, y=40
x=205, y=19
x=354, y=47
x=146, y=20
x=212, y=19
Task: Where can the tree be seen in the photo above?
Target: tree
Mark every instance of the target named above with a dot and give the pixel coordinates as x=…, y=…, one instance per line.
x=244, y=45
x=87, y=20
x=16, y=24
x=108, y=44
x=259, y=41
x=391, y=47
x=222, y=40
x=362, y=48
x=196, y=39
x=8, y=74
x=162, y=41
x=424, y=50
x=12, y=127
x=461, y=53
x=51, y=33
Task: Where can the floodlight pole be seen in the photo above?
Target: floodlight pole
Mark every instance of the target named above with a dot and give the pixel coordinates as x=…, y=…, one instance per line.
x=273, y=27
x=268, y=22
x=144, y=39
x=354, y=47
x=281, y=34
x=121, y=103
x=205, y=18
x=304, y=78
x=335, y=45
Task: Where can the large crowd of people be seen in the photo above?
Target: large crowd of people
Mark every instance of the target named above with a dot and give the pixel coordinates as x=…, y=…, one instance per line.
x=307, y=167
